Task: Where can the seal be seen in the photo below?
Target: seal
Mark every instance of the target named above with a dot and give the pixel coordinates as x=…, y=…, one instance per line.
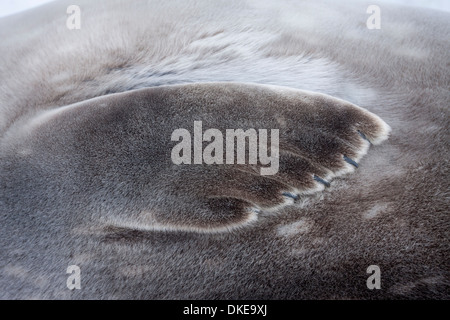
x=87, y=182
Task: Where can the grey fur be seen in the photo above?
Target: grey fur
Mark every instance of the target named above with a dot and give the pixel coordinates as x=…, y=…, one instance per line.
x=73, y=157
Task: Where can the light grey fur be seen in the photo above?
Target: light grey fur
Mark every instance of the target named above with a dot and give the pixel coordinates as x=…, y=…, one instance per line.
x=391, y=212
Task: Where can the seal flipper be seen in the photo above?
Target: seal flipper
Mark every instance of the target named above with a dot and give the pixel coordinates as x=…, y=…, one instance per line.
x=120, y=150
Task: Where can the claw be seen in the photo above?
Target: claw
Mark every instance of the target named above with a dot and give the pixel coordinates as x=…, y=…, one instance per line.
x=291, y=195
x=256, y=210
x=318, y=179
x=364, y=136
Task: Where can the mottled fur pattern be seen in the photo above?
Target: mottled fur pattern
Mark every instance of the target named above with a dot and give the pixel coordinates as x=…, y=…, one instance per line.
x=78, y=107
